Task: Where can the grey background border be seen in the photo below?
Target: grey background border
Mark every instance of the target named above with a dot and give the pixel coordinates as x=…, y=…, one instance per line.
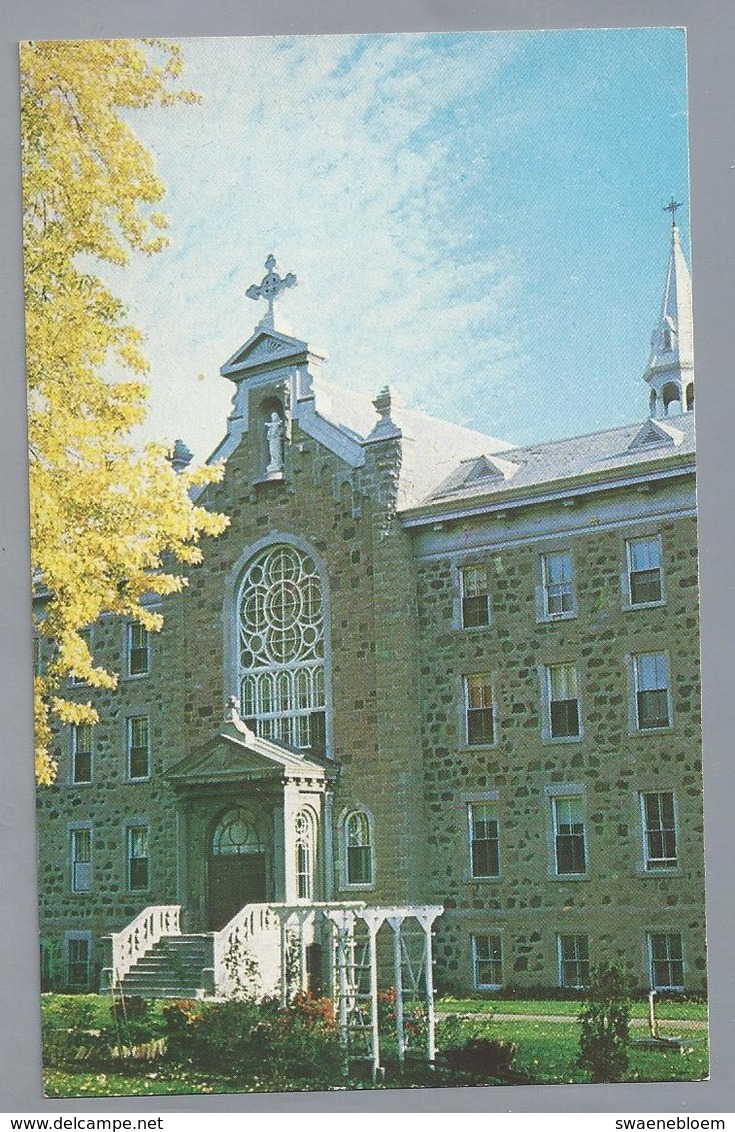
x=711, y=45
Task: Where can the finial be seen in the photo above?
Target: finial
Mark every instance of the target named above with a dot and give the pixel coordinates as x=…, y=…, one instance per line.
x=270, y=288
x=382, y=403
x=180, y=457
x=671, y=207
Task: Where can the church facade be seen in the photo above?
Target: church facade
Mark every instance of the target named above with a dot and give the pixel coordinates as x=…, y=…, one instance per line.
x=421, y=669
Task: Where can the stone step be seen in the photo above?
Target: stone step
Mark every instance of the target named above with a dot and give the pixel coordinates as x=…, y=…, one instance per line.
x=173, y=968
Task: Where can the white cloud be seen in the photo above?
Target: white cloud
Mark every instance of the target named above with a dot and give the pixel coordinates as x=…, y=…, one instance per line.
x=340, y=155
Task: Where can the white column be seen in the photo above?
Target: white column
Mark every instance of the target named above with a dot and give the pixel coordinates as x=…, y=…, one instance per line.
x=395, y=923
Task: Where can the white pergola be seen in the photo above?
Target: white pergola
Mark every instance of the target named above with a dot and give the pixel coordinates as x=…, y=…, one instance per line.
x=354, y=959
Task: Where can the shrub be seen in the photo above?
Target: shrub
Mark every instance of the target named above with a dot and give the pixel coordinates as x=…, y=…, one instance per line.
x=68, y=1030
x=261, y=1041
x=605, y=1036
x=469, y=1054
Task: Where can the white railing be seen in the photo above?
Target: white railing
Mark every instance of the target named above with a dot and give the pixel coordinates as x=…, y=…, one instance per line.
x=141, y=934
x=247, y=953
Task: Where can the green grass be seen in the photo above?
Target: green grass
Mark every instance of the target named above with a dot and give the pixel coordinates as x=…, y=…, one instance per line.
x=695, y=1011
x=547, y=1054
x=547, y=1051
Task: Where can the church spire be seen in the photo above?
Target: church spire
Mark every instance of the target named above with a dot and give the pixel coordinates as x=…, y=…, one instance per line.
x=670, y=369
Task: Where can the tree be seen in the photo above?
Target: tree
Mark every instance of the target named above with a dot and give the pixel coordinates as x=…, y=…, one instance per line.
x=109, y=523
x=605, y=1025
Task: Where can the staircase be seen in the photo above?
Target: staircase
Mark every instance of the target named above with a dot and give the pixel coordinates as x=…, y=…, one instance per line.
x=177, y=966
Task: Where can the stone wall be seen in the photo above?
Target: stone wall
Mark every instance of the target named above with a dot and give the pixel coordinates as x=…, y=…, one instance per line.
x=616, y=902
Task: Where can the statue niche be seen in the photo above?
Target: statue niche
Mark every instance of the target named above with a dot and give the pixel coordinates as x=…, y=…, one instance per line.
x=271, y=438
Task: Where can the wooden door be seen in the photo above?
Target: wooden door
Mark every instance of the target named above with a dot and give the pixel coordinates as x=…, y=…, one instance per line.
x=235, y=879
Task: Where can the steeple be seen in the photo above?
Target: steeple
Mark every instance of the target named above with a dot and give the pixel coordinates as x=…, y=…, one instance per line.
x=670, y=369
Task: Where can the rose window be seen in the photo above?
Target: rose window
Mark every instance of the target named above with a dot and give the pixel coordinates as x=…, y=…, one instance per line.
x=281, y=647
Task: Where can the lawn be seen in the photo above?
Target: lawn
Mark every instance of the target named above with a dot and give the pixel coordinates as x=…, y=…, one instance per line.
x=547, y=1052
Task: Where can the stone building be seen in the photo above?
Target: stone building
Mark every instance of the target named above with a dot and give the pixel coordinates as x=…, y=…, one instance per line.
x=422, y=672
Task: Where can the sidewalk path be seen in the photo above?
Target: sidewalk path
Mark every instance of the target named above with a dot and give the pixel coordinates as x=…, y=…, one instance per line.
x=666, y=1023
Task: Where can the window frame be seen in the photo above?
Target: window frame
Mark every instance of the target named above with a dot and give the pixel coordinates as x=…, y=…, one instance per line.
x=80, y=880
x=131, y=649
x=630, y=572
x=491, y=959
x=548, y=732
x=636, y=659
x=575, y=960
x=668, y=937
x=491, y=805
x=666, y=864
x=305, y=854
x=76, y=753
x=130, y=721
x=556, y=825
x=73, y=938
x=86, y=635
x=483, y=595
x=545, y=613
x=355, y=813
x=130, y=831
x=471, y=714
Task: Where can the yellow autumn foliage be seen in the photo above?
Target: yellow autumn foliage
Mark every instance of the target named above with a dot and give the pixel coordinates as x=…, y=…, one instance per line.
x=109, y=523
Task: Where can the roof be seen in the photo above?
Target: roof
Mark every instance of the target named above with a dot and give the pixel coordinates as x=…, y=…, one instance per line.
x=430, y=446
x=597, y=456
x=347, y=421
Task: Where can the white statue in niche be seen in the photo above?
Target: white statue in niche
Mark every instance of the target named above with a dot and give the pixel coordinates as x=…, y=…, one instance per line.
x=275, y=432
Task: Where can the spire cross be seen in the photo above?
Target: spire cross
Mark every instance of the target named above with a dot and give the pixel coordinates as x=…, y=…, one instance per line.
x=672, y=207
x=270, y=287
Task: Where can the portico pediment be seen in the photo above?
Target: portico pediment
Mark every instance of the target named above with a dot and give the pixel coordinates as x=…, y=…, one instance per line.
x=237, y=754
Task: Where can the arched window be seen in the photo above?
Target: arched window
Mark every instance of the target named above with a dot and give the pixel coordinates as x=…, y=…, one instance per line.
x=304, y=828
x=281, y=648
x=236, y=833
x=358, y=848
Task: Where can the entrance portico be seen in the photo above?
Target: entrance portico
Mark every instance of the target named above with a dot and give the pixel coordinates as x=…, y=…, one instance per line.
x=253, y=825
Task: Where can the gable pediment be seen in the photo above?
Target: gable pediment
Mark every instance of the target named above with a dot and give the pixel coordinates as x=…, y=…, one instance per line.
x=237, y=754
x=490, y=468
x=263, y=348
x=654, y=434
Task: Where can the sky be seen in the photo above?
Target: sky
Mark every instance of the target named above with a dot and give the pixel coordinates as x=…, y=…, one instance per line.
x=474, y=219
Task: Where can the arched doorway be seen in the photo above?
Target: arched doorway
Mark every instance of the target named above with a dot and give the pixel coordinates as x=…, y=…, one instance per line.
x=236, y=871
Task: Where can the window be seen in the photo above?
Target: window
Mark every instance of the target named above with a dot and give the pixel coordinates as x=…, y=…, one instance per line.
x=558, y=585
x=574, y=960
x=81, y=860
x=78, y=955
x=304, y=828
x=38, y=666
x=569, y=844
x=138, y=858
x=479, y=710
x=644, y=571
x=484, y=855
x=81, y=753
x=475, y=597
x=563, y=700
x=358, y=849
x=281, y=648
x=138, y=650
x=659, y=830
x=487, y=960
x=650, y=674
x=86, y=635
x=666, y=961
x=139, y=760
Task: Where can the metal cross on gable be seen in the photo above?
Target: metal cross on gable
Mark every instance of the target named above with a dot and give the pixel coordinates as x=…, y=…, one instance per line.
x=671, y=207
x=270, y=288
